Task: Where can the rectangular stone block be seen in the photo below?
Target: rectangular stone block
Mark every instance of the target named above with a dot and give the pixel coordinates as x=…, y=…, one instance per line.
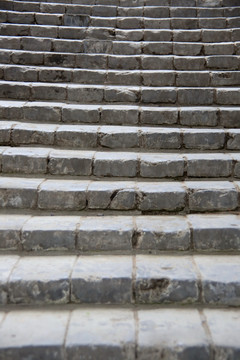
x=211, y=196
x=41, y=280
x=209, y=165
x=115, y=164
x=102, y=279
x=62, y=194
x=105, y=233
x=161, y=165
x=70, y=162
x=161, y=138
x=165, y=279
x=204, y=139
x=162, y=233
x=77, y=136
x=114, y=137
x=28, y=133
x=10, y=228
x=161, y=196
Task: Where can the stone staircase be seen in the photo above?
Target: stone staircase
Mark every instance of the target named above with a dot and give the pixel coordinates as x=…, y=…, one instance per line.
x=120, y=179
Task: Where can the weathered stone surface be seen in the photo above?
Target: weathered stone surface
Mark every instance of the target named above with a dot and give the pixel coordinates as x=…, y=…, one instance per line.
x=41, y=280
x=165, y=279
x=90, y=333
x=24, y=334
x=6, y=266
x=171, y=334
x=220, y=280
x=215, y=232
x=10, y=231
x=102, y=279
x=105, y=233
x=165, y=233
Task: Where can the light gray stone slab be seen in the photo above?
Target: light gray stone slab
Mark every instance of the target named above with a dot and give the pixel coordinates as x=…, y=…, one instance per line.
x=62, y=194
x=160, y=138
x=161, y=196
x=161, y=165
x=220, y=279
x=25, y=160
x=210, y=195
x=112, y=195
x=102, y=279
x=21, y=192
x=162, y=233
x=105, y=233
x=215, y=232
x=165, y=279
x=91, y=334
x=220, y=323
x=41, y=280
x=171, y=334
x=77, y=136
x=118, y=137
x=115, y=164
x=28, y=133
x=70, y=162
x=10, y=227
x=49, y=233
x=209, y=165
x=24, y=334
x=7, y=263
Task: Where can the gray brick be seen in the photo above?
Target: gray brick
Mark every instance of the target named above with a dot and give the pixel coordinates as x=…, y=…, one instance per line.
x=97, y=339
x=76, y=136
x=10, y=227
x=158, y=78
x=209, y=165
x=48, y=91
x=233, y=142
x=25, y=160
x=159, y=95
x=33, y=134
x=85, y=93
x=215, y=232
x=102, y=279
x=6, y=266
x=108, y=233
x=220, y=279
x=162, y=233
x=35, y=340
x=161, y=166
x=161, y=196
x=230, y=96
x=119, y=115
x=115, y=164
x=189, y=63
x=80, y=113
x=203, y=139
x=165, y=279
x=112, y=195
x=229, y=117
x=161, y=138
x=222, y=62
x=212, y=196
x=158, y=116
x=114, y=137
x=38, y=280
x=193, y=79
x=121, y=94
x=187, y=340
x=49, y=233
x=195, y=96
x=70, y=162
x=20, y=194
x=198, y=116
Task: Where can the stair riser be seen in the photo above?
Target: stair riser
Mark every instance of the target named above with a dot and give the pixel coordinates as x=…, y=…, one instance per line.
x=134, y=78
x=102, y=164
x=111, y=62
x=75, y=195
x=114, y=115
x=74, y=280
x=120, y=233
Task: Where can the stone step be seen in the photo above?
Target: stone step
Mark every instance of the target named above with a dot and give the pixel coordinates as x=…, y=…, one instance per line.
x=111, y=33
x=178, y=48
x=93, y=333
x=153, y=78
x=52, y=112
x=118, y=137
x=32, y=4
x=120, y=62
x=147, y=197
x=198, y=233
x=34, y=160
x=83, y=94
x=132, y=18
x=71, y=32
x=120, y=279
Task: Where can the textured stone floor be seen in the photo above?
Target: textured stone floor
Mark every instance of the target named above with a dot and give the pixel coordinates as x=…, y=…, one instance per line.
x=120, y=179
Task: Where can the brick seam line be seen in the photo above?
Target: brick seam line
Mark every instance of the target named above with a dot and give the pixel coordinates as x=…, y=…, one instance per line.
x=199, y=280
x=65, y=335
x=20, y=245
x=208, y=333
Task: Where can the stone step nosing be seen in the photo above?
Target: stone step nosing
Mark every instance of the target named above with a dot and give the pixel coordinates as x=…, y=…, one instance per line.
x=197, y=232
